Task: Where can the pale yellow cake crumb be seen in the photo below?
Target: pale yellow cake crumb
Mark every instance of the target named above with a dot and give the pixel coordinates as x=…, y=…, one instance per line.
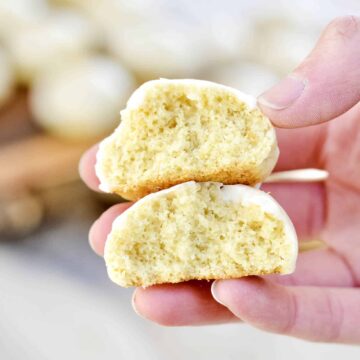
x=200, y=231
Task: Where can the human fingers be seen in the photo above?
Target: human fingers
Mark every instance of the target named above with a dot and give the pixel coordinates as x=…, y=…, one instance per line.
x=312, y=313
x=321, y=267
x=191, y=303
x=301, y=148
x=102, y=227
x=325, y=85
x=187, y=303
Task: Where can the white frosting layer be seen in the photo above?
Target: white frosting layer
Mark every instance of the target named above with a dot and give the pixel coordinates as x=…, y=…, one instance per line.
x=140, y=93
x=137, y=98
x=242, y=194
x=100, y=158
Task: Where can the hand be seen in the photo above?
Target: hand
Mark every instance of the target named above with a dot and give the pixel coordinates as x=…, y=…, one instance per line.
x=321, y=300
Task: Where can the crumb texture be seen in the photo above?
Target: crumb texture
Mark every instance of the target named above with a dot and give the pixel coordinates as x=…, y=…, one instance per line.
x=183, y=131
x=192, y=233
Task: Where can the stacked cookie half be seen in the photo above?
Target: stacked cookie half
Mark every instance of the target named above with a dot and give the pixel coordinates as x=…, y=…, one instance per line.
x=192, y=153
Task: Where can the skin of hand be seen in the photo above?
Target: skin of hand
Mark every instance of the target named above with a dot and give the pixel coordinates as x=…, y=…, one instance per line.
x=320, y=301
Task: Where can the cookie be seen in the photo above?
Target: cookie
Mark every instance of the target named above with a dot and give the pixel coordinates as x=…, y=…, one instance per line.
x=200, y=231
x=174, y=131
x=80, y=99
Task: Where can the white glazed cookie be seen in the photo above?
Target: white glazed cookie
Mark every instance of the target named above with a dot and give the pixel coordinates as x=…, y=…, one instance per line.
x=200, y=231
x=19, y=15
x=58, y=39
x=81, y=99
x=173, y=131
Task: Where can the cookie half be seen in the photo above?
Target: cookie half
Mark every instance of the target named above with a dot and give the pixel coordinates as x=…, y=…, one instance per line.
x=200, y=231
x=173, y=131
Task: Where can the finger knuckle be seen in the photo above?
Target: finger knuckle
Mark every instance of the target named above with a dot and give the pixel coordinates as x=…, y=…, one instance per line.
x=345, y=26
x=335, y=317
x=292, y=319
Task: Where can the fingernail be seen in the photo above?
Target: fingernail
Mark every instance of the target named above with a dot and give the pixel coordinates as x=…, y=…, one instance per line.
x=92, y=236
x=214, y=292
x=133, y=304
x=283, y=94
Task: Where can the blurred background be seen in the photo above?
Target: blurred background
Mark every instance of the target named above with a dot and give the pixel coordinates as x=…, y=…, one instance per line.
x=67, y=67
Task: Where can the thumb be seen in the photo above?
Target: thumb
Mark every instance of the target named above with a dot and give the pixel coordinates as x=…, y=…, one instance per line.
x=325, y=85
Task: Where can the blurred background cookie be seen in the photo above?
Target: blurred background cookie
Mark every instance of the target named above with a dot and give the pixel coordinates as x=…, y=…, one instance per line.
x=81, y=99
x=61, y=37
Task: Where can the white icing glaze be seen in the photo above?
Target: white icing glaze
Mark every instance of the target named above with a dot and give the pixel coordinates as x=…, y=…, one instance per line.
x=300, y=175
x=269, y=163
x=100, y=158
x=139, y=94
x=242, y=194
